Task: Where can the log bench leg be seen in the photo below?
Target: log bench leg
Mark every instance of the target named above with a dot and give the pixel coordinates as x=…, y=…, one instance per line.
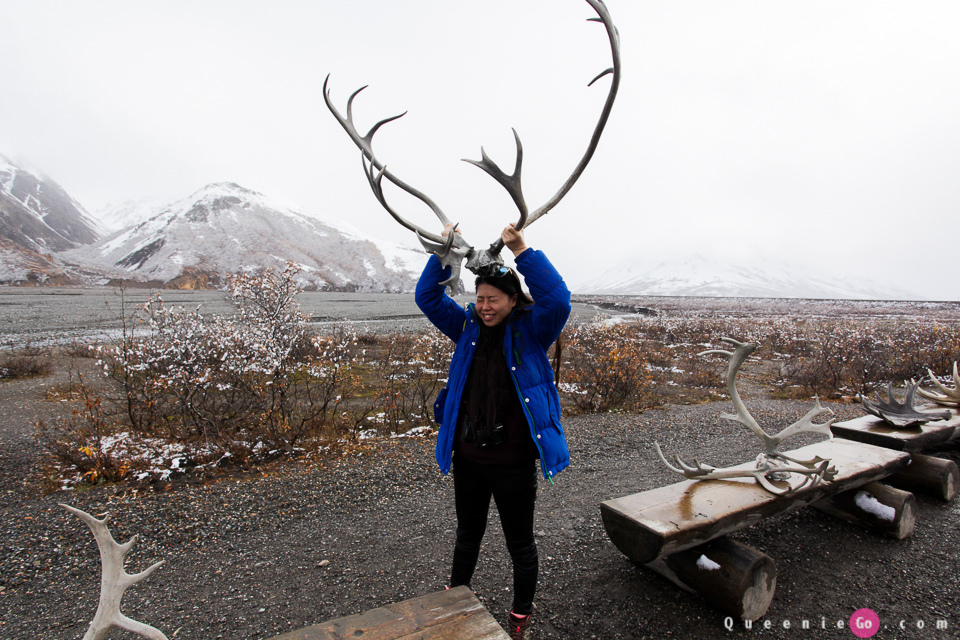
x=930, y=475
x=876, y=506
x=731, y=576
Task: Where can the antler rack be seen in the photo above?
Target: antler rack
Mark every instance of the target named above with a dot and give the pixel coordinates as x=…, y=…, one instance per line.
x=453, y=249
x=773, y=469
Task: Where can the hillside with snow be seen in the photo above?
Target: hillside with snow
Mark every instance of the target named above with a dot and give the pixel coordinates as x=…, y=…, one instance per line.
x=224, y=228
x=37, y=219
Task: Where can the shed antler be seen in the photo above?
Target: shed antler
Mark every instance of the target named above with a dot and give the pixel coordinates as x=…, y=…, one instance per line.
x=901, y=414
x=950, y=397
x=771, y=443
x=773, y=468
x=453, y=249
x=770, y=476
x=114, y=581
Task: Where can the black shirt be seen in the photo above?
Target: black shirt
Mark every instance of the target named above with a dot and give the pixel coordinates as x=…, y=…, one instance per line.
x=492, y=427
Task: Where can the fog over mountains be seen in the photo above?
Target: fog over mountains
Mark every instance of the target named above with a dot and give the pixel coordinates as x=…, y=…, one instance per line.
x=47, y=238
x=733, y=276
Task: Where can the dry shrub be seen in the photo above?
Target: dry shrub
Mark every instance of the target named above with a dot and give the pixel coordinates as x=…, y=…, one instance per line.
x=607, y=368
x=700, y=373
x=836, y=357
x=406, y=371
x=81, y=442
x=259, y=383
x=254, y=379
x=240, y=386
x=24, y=367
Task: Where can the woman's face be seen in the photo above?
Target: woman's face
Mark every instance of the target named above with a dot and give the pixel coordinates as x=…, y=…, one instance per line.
x=493, y=305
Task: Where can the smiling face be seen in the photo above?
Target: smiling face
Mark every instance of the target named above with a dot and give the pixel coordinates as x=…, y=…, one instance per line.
x=493, y=305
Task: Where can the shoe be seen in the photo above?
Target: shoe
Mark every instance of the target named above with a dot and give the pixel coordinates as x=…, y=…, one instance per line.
x=519, y=626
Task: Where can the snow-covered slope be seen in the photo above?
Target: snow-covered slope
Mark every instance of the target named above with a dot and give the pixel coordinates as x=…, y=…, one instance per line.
x=223, y=228
x=698, y=275
x=38, y=214
x=37, y=218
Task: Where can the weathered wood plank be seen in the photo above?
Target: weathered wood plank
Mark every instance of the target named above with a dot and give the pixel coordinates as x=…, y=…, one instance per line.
x=873, y=430
x=453, y=614
x=663, y=521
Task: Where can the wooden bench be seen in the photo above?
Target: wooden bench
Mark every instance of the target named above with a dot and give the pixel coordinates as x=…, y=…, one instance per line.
x=922, y=438
x=679, y=530
x=455, y=614
x=928, y=474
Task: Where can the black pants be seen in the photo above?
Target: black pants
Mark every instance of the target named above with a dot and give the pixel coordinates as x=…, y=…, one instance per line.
x=514, y=489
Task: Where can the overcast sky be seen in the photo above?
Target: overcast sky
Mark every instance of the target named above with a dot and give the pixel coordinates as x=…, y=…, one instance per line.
x=822, y=132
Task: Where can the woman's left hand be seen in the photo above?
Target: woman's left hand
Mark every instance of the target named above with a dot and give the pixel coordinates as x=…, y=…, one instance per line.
x=513, y=239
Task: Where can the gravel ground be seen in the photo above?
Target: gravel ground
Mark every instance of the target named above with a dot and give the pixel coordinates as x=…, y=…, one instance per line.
x=259, y=553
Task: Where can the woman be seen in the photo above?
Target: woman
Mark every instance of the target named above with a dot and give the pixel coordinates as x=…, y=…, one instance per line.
x=500, y=411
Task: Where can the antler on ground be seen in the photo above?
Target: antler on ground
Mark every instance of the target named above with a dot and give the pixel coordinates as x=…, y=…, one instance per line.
x=113, y=582
x=453, y=250
x=773, y=469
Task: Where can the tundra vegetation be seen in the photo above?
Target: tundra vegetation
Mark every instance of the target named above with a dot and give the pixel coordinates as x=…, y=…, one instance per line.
x=182, y=392
x=24, y=364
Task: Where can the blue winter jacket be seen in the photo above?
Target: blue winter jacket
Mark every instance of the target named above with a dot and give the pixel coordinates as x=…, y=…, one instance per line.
x=530, y=332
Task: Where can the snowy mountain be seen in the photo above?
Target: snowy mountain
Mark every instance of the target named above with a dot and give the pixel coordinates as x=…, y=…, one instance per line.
x=46, y=237
x=224, y=228
x=38, y=214
x=38, y=218
x=118, y=216
x=698, y=275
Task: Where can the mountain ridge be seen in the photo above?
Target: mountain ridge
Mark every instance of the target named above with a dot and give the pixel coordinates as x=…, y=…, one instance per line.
x=37, y=219
x=224, y=228
x=47, y=238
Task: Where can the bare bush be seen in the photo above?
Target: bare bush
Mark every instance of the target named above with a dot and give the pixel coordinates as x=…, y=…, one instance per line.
x=607, y=368
x=24, y=367
x=838, y=357
x=406, y=372
x=248, y=384
x=255, y=382
x=235, y=384
x=81, y=442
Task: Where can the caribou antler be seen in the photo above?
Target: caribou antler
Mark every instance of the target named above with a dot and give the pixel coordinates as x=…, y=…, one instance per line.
x=113, y=582
x=771, y=443
x=901, y=414
x=453, y=249
x=772, y=465
x=950, y=397
x=772, y=476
